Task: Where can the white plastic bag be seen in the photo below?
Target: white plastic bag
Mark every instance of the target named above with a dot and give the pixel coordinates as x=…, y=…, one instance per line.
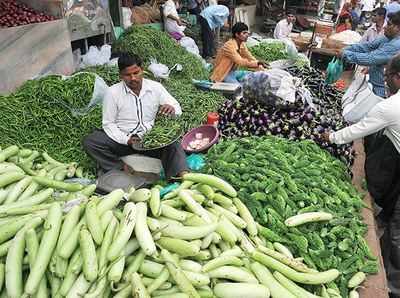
x=96, y=57
x=158, y=70
x=291, y=49
x=126, y=17
x=358, y=99
x=274, y=87
x=99, y=90
x=190, y=45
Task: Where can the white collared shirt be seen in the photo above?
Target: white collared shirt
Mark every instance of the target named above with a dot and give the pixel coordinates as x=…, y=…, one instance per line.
x=170, y=24
x=126, y=114
x=283, y=29
x=384, y=115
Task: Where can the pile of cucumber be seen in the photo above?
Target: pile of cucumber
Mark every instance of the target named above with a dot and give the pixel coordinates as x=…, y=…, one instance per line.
x=199, y=241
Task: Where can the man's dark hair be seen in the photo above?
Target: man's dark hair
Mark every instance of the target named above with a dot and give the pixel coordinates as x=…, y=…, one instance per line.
x=238, y=28
x=380, y=11
x=394, y=18
x=394, y=64
x=291, y=12
x=125, y=60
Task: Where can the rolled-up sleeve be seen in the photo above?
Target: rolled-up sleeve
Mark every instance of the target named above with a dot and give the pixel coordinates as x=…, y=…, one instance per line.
x=237, y=59
x=373, y=122
x=110, y=113
x=379, y=56
x=166, y=98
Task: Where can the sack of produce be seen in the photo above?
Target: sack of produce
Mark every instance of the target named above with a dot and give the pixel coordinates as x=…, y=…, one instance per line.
x=275, y=88
x=358, y=99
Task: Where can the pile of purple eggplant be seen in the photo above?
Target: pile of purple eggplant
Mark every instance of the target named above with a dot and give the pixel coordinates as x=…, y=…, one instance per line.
x=245, y=117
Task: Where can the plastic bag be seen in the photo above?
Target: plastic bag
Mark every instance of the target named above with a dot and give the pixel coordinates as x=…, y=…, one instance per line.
x=334, y=70
x=358, y=99
x=276, y=88
x=291, y=49
x=158, y=70
x=195, y=161
x=190, y=45
x=96, y=57
x=99, y=89
x=126, y=17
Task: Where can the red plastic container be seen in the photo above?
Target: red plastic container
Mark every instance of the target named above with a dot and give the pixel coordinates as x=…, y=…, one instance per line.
x=208, y=131
x=212, y=118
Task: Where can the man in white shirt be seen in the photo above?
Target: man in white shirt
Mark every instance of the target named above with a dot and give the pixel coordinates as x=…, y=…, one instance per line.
x=129, y=111
x=376, y=28
x=382, y=165
x=172, y=22
x=285, y=26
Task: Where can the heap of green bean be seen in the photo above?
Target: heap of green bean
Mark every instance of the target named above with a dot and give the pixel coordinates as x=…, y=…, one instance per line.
x=270, y=51
x=149, y=43
x=38, y=116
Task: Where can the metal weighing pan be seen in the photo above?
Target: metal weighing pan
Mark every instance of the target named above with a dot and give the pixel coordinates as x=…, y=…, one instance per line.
x=139, y=146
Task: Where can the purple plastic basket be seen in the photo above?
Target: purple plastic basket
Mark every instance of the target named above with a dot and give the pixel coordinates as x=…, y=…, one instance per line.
x=208, y=131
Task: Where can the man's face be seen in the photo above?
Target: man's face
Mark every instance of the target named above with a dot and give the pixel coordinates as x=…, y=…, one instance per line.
x=133, y=77
x=392, y=80
x=243, y=36
x=291, y=18
x=391, y=30
x=377, y=18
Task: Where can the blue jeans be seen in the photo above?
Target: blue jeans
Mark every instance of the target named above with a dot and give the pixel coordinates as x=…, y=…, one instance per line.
x=232, y=76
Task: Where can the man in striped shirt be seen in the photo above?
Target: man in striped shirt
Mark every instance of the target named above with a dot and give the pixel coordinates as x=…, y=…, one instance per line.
x=377, y=53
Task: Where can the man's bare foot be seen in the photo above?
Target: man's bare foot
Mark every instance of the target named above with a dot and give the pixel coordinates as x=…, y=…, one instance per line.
x=182, y=173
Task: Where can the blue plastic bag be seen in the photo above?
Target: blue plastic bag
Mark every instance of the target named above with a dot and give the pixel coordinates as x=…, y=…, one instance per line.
x=334, y=70
x=195, y=161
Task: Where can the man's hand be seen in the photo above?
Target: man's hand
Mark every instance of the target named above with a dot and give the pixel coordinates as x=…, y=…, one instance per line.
x=133, y=139
x=263, y=64
x=339, y=53
x=365, y=70
x=325, y=137
x=181, y=22
x=167, y=109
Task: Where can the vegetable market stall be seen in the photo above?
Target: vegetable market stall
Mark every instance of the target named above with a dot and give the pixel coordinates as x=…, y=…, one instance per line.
x=202, y=205
x=169, y=242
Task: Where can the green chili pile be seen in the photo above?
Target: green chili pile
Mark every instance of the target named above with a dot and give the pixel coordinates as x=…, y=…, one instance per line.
x=165, y=130
x=38, y=116
x=150, y=43
x=195, y=105
x=277, y=179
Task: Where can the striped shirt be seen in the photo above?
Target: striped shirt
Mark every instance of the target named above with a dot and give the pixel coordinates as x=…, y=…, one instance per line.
x=375, y=54
x=126, y=114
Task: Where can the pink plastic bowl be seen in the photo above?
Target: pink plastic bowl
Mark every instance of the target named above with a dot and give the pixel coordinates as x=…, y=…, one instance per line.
x=208, y=131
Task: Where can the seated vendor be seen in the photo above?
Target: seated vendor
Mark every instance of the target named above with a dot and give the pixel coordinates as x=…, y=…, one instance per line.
x=234, y=54
x=129, y=110
x=285, y=26
x=174, y=25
